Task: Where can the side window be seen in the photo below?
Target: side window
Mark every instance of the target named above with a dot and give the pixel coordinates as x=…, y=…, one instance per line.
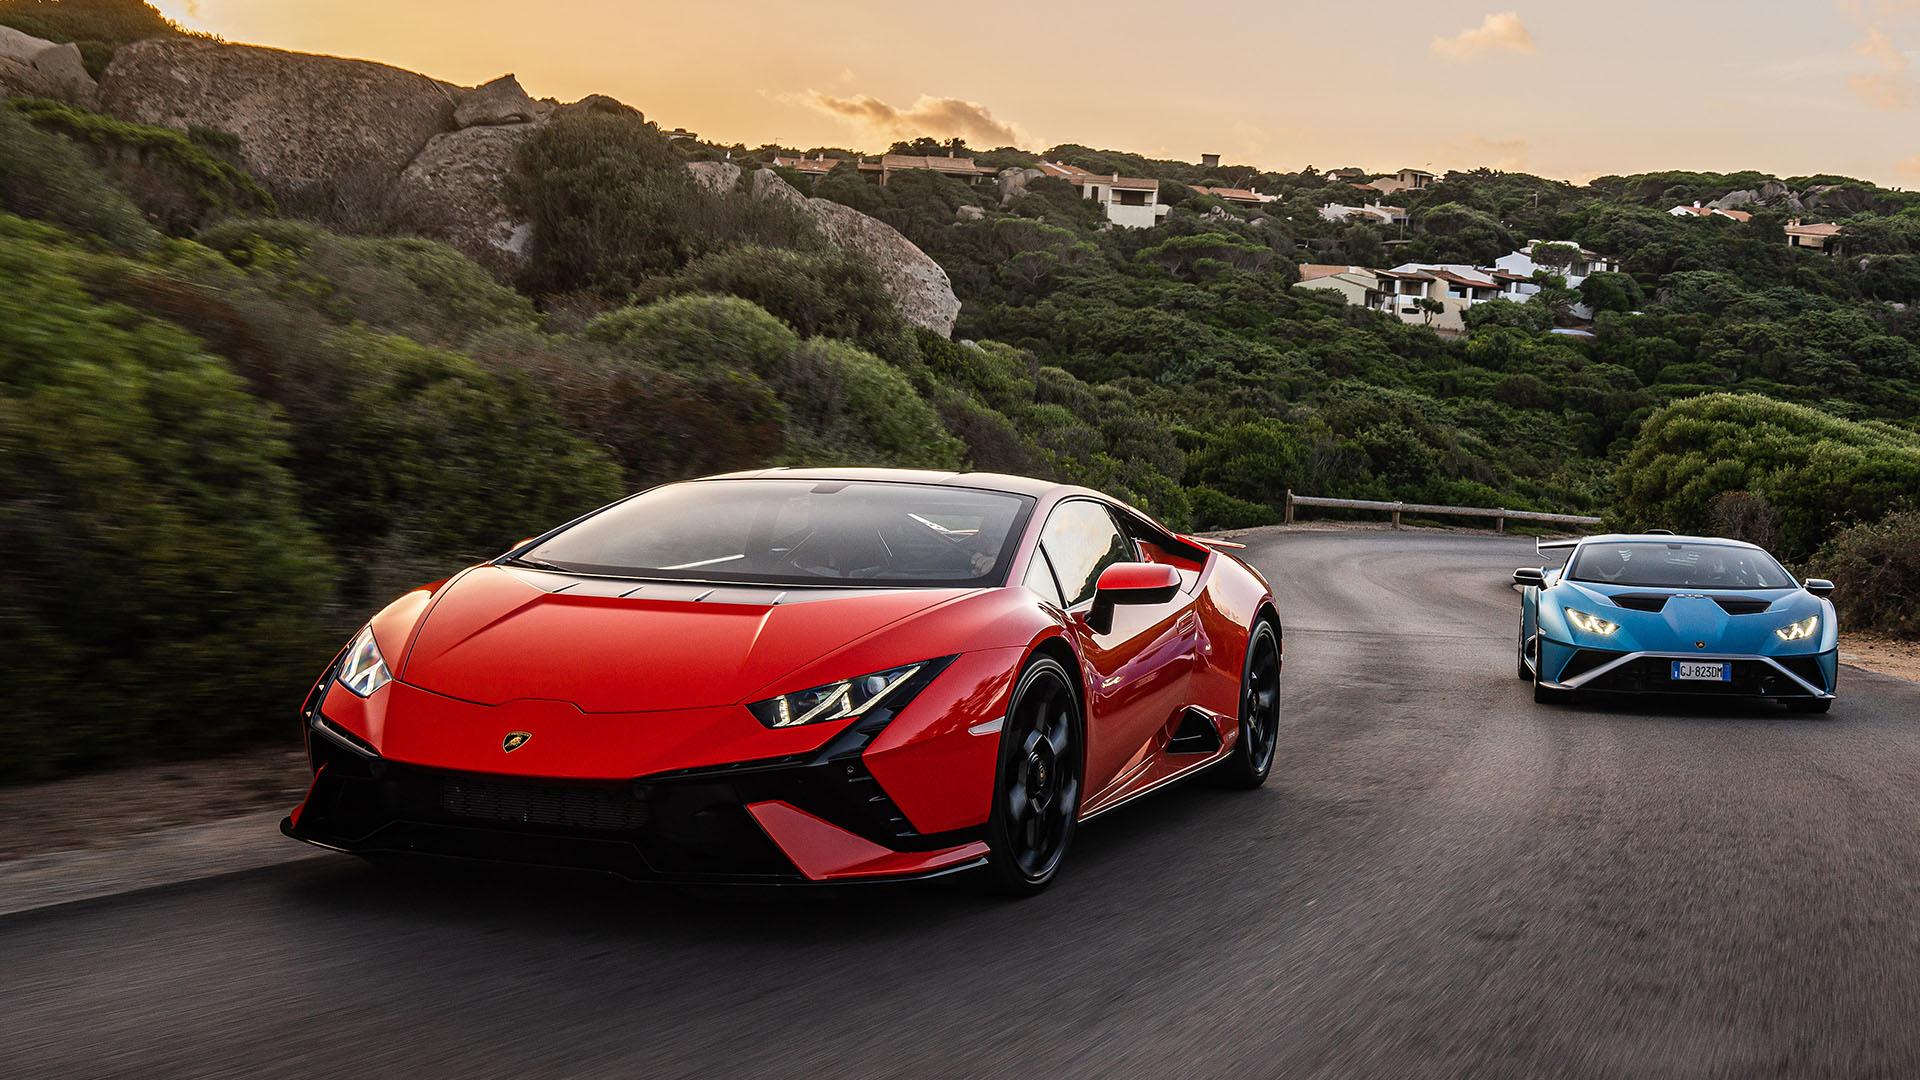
x=1040, y=578
x=1082, y=540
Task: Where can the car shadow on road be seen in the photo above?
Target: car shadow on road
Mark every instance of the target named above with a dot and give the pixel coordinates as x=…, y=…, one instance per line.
x=1682, y=707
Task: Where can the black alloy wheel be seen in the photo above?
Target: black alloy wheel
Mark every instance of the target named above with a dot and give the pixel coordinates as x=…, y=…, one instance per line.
x=1252, y=757
x=1036, y=798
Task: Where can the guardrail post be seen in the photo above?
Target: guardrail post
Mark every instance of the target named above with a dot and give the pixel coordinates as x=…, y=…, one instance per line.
x=1500, y=523
x=1289, y=511
x=1396, y=514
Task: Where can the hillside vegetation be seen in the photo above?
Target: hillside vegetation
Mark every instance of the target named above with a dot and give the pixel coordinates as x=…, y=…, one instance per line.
x=226, y=435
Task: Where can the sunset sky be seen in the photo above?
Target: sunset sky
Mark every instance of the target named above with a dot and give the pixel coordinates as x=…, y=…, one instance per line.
x=1558, y=87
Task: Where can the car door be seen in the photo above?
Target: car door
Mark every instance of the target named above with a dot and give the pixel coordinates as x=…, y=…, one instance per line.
x=1138, y=666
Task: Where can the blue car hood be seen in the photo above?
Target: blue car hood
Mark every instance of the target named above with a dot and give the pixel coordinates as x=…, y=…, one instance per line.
x=1690, y=622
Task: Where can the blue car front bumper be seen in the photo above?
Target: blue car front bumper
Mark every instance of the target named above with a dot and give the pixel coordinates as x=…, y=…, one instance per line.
x=1572, y=667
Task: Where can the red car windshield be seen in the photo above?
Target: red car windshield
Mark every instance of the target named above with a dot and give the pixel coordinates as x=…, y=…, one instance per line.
x=797, y=532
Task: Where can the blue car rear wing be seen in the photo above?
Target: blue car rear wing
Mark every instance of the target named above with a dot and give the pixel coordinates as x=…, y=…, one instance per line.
x=1544, y=546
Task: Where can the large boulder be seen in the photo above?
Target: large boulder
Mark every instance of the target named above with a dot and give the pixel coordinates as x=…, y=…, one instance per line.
x=1013, y=183
x=919, y=288
x=35, y=67
x=715, y=176
x=327, y=134
x=501, y=101
x=456, y=191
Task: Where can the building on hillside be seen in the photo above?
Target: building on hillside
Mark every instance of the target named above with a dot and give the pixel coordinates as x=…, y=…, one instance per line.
x=1356, y=284
x=1697, y=210
x=679, y=133
x=1515, y=272
x=1376, y=213
x=1349, y=174
x=962, y=169
x=1209, y=161
x=1131, y=202
x=1404, y=180
x=1818, y=237
x=1236, y=196
x=813, y=168
x=1454, y=286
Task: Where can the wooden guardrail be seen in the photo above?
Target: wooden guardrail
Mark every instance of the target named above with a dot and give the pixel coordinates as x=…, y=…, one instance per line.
x=1500, y=516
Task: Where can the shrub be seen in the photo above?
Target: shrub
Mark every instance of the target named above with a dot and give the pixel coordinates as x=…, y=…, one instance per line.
x=827, y=292
x=172, y=177
x=1817, y=471
x=849, y=407
x=46, y=177
x=1215, y=509
x=1875, y=569
x=163, y=590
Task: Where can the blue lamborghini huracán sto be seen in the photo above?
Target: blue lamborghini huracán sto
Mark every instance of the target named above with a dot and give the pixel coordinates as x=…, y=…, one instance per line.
x=1655, y=613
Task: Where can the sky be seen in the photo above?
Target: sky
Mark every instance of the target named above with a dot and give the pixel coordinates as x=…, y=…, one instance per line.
x=1570, y=89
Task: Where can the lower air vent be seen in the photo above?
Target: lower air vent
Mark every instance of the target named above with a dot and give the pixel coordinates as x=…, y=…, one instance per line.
x=1742, y=605
x=1195, y=735
x=1807, y=667
x=1585, y=660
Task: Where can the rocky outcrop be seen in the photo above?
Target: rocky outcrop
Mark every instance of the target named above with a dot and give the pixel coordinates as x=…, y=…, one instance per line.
x=456, y=191
x=35, y=67
x=715, y=176
x=970, y=213
x=310, y=127
x=501, y=101
x=602, y=103
x=920, y=289
x=1013, y=183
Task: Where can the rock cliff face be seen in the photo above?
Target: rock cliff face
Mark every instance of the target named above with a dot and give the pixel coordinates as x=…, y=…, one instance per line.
x=920, y=289
x=305, y=123
x=456, y=191
x=33, y=67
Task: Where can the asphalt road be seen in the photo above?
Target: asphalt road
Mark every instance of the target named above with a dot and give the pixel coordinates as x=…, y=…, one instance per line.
x=1442, y=879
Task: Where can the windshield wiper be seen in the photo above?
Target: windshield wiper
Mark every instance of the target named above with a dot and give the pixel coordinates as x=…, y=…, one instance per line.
x=537, y=564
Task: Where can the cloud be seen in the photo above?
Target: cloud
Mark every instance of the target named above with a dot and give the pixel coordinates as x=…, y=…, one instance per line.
x=1496, y=33
x=943, y=118
x=1888, y=86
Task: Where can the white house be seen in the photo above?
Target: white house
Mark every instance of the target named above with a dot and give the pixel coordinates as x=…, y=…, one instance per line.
x=1376, y=213
x=1454, y=286
x=1697, y=210
x=1130, y=202
x=1404, y=180
x=1357, y=284
x=1515, y=272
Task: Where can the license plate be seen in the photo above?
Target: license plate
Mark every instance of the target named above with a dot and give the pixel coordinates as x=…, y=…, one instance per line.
x=1698, y=671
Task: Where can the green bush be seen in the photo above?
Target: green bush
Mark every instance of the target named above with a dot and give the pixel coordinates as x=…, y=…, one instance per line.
x=612, y=205
x=827, y=292
x=1875, y=569
x=163, y=592
x=172, y=177
x=1817, y=471
x=46, y=177
x=1215, y=509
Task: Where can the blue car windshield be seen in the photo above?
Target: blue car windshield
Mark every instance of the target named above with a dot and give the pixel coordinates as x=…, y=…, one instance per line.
x=1652, y=564
x=797, y=532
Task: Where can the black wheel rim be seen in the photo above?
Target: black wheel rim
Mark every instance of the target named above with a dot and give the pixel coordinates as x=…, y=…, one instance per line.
x=1260, y=712
x=1042, y=783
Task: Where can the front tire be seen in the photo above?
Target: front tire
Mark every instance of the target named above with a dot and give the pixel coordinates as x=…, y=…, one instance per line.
x=1036, y=792
x=1251, y=760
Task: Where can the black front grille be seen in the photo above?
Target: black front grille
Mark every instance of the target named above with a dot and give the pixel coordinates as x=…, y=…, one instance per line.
x=1742, y=605
x=1654, y=675
x=597, y=808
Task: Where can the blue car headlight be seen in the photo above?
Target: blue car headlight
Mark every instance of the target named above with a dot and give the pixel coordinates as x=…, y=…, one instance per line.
x=839, y=700
x=1799, y=631
x=1592, y=624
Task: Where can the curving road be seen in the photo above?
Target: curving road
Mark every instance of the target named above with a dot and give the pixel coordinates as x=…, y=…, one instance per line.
x=1442, y=879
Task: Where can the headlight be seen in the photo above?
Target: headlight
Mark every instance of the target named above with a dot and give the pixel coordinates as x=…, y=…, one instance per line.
x=362, y=669
x=1592, y=624
x=837, y=701
x=1801, y=630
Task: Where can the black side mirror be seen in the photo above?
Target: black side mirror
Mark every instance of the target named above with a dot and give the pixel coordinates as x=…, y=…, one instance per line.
x=1530, y=576
x=1818, y=586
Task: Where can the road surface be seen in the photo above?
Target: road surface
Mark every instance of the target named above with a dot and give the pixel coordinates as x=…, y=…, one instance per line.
x=1442, y=879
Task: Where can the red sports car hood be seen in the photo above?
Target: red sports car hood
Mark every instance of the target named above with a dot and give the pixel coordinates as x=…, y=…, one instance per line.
x=502, y=634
